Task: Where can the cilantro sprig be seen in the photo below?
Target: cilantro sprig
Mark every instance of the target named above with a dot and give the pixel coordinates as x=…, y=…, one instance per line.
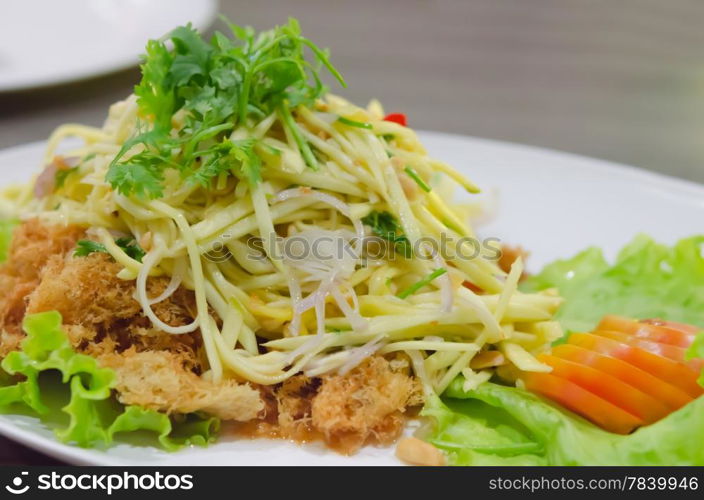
x=86, y=247
x=421, y=283
x=215, y=86
x=385, y=226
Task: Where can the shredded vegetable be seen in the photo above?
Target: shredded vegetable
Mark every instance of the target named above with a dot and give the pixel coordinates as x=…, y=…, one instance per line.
x=234, y=148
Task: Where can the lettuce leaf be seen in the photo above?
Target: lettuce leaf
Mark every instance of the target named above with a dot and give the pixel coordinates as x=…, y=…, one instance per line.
x=648, y=280
x=6, y=227
x=91, y=416
x=498, y=425
x=696, y=350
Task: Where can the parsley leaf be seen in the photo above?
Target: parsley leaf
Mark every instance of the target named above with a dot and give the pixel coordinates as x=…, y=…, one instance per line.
x=131, y=248
x=86, y=247
x=61, y=175
x=227, y=156
x=140, y=175
x=217, y=86
x=354, y=123
x=155, y=97
x=385, y=226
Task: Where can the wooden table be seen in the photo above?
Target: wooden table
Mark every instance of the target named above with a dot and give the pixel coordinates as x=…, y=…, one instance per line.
x=620, y=80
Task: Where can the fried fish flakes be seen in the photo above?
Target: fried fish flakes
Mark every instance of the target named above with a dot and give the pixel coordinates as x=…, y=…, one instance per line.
x=165, y=372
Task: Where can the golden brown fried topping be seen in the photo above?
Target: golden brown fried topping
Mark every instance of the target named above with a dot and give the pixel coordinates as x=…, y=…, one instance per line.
x=165, y=372
x=33, y=244
x=161, y=380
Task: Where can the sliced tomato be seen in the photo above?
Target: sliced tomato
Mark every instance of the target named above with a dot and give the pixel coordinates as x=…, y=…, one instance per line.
x=674, y=397
x=673, y=325
x=635, y=367
x=665, y=350
x=573, y=397
x=666, y=369
x=647, y=330
x=399, y=118
x=609, y=388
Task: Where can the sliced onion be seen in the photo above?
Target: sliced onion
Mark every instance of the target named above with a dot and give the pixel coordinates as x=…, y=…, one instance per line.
x=317, y=300
x=324, y=270
x=355, y=299
x=320, y=315
x=307, y=347
x=311, y=300
x=46, y=181
x=294, y=289
x=176, y=280
x=324, y=364
x=446, y=292
x=148, y=263
x=44, y=185
x=343, y=207
x=358, y=323
x=287, y=194
x=359, y=354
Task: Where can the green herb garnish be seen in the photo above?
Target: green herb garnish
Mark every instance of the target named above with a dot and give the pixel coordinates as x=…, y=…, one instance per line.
x=302, y=144
x=128, y=245
x=385, y=226
x=414, y=175
x=218, y=86
x=420, y=284
x=61, y=175
x=354, y=123
x=86, y=247
x=131, y=248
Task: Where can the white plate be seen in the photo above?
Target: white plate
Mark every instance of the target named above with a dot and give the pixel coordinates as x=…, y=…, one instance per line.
x=553, y=204
x=46, y=42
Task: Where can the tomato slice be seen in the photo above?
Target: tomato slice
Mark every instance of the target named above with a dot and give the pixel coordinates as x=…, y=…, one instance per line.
x=673, y=325
x=625, y=374
x=666, y=369
x=670, y=395
x=399, y=118
x=573, y=397
x=659, y=332
x=609, y=388
x=665, y=350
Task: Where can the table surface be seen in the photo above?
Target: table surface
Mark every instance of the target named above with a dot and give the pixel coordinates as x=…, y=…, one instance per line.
x=623, y=81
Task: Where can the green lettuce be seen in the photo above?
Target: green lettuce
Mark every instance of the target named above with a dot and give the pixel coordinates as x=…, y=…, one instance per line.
x=648, y=280
x=696, y=350
x=74, y=395
x=499, y=425
x=6, y=227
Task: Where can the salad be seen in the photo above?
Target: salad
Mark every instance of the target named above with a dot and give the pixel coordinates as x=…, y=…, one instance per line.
x=238, y=245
